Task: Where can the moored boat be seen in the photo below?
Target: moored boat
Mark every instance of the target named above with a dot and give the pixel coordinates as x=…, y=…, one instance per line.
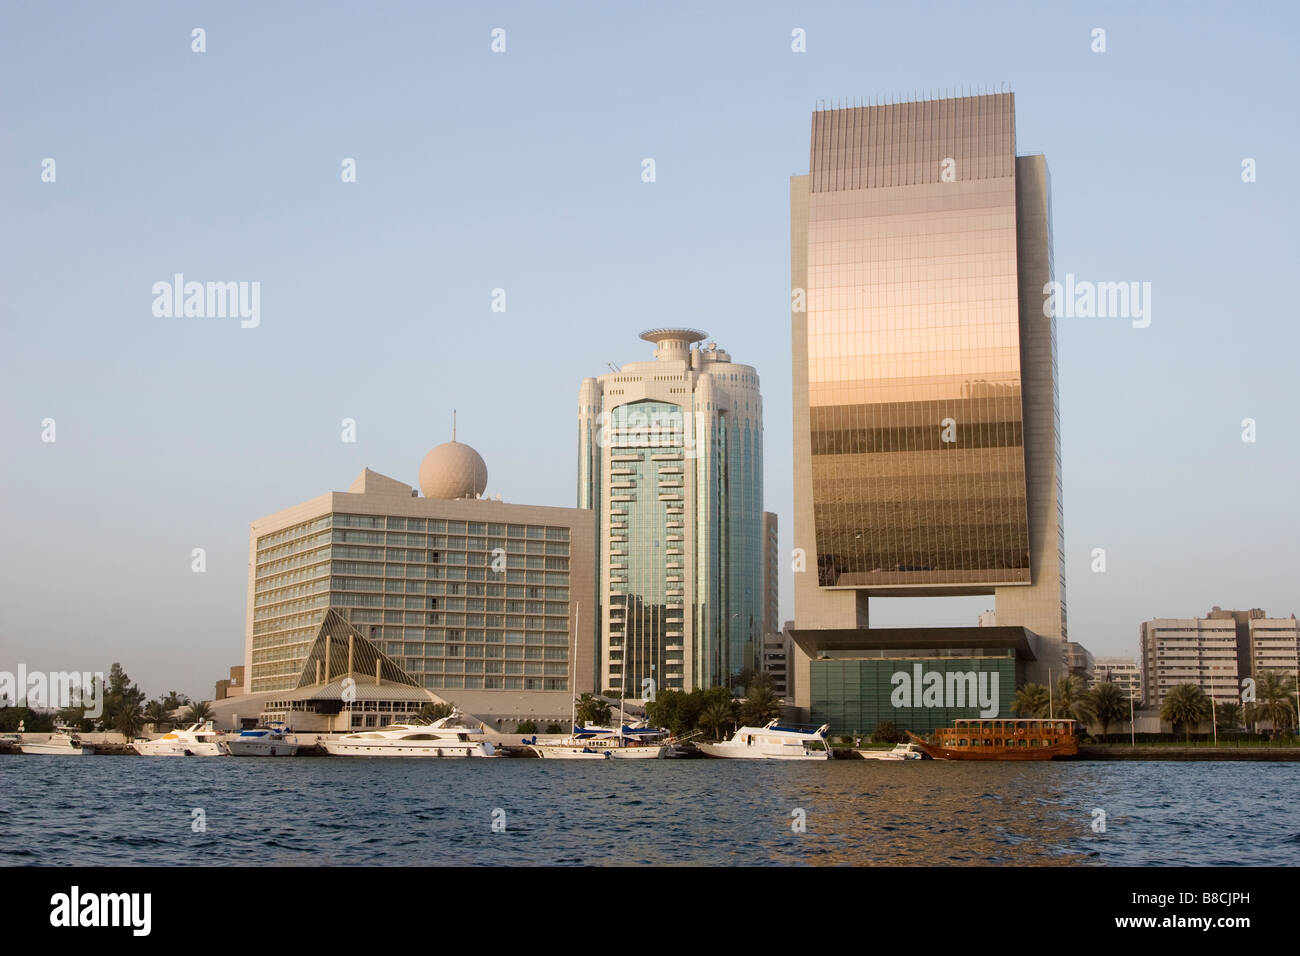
x=900, y=752
x=61, y=743
x=262, y=742
x=604, y=743
x=197, y=740
x=448, y=737
x=772, y=741
x=1003, y=738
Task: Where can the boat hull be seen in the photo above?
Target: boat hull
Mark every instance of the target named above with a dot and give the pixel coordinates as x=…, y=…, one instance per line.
x=55, y=750
x=450, y=749
x=884, y=755
x=758, y=753
x=178, y=748
x=262, y=748
x=596, y=752
x=1064, y=749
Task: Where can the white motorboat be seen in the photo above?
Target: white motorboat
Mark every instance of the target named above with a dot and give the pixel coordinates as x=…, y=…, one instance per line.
x=604, y=743
x=772, y=742
x=442, y=738
x=197, y=740
x=261, y=742
x=60, y=743
x=900, y=752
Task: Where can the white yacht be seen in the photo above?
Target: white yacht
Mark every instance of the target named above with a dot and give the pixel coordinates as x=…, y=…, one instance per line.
x=772, y=742
x=442, y=738
x=197, y=740
x=900, y=752
x=60, y=743
x=262, y=742
x=604, y=743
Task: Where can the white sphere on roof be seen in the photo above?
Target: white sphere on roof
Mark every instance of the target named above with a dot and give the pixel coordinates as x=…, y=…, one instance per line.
x=453, y=470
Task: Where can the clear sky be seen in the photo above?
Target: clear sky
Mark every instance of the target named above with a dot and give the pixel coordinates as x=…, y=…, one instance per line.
x=522, y=170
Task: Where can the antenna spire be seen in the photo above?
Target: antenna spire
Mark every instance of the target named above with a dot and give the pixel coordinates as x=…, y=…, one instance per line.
x=453, y=424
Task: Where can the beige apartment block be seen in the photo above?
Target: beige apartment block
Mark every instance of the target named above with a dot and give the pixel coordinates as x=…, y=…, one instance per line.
x=1121, y=671
x=1200, y=651
x=1274, y=645
x=466, y=595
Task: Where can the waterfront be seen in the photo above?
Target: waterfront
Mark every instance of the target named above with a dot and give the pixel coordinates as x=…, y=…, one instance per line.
x=346, y=811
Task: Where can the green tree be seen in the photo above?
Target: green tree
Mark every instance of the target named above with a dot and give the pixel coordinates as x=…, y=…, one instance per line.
x=434, y=711
x=761, y=703
x=554, y=728
x=1109, y=705
x=1228, y=717
x=526, y=727
x=128, y=712
x=1030, y=701
x=887, y=732
x=74, y=716
x=198, y=712
x=668, y=710
x=1071, y=700
x=156, y=713
x=1274, y=699
x=593, y=710
x=1185, y=705
x=740, y=683
x=32, y=722
x=716, y=716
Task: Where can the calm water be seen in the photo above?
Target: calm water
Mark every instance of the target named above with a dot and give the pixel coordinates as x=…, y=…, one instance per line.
x=127, y=811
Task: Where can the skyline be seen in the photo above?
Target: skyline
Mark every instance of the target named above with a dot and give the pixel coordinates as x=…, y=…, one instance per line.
x=376, y=295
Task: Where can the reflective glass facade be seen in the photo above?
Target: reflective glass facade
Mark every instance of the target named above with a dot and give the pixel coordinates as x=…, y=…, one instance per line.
x=856, y=696
x=916, y=422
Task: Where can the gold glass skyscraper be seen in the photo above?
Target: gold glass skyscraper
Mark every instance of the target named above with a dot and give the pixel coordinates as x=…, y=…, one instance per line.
x=926, y=428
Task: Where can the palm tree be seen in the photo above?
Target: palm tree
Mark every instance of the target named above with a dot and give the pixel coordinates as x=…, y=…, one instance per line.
x=434, y=711
x=1275, y=699
x=593, y=710
x=1030, y=701
x=1228, y=716
x=761, y=703
x=1109, y=705
x=1072, y=700
x=1185, y=704
x=716, y=716
x=198, y=712
x=129, y=717
x=156, y=713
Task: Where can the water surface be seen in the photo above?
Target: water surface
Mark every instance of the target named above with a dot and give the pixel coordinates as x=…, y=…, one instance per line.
x=126, y=811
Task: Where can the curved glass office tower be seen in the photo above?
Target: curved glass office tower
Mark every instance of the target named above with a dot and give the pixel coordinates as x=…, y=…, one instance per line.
x=671, y=461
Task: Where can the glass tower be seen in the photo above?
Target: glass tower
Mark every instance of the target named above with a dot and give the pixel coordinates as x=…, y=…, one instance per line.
x=927, y=436
x=670, y=461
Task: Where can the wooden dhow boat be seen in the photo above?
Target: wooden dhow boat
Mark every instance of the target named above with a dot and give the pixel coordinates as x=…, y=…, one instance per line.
x=1002, y=738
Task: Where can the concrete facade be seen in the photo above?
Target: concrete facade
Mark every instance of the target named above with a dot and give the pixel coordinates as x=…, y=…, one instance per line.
x=465, y=594
x=1196, y=651
x=670, y=465
x=1122, y=671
